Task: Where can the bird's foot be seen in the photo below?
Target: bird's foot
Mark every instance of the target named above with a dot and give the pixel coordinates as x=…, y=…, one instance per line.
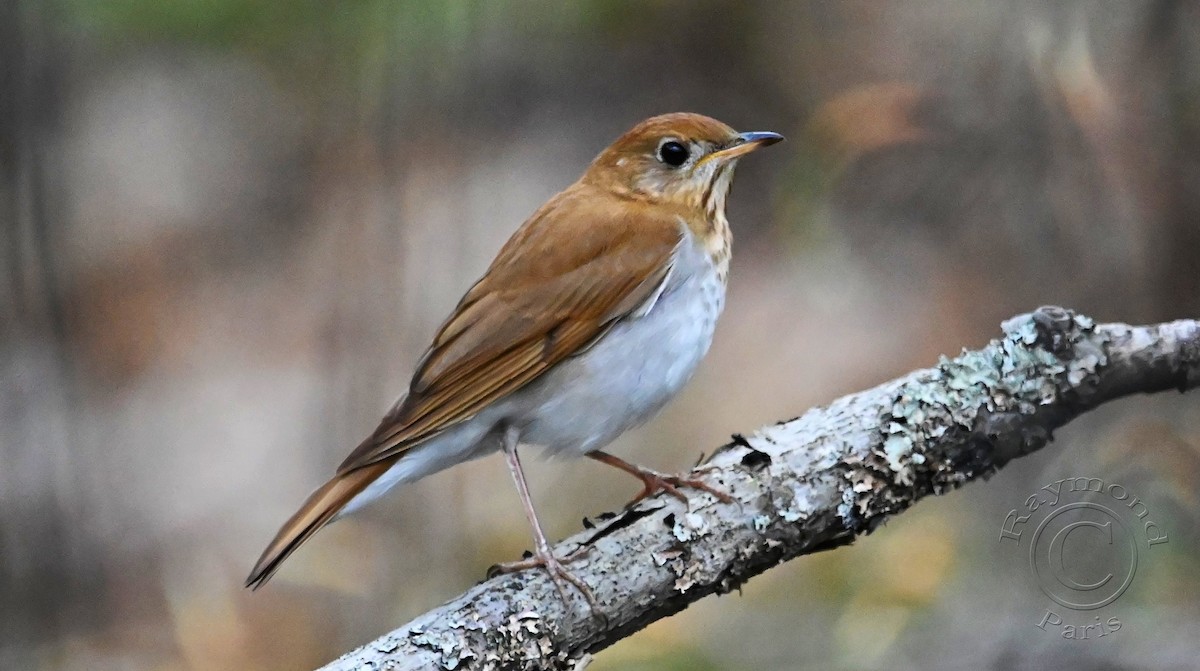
x=654, y=482
x=557, y=570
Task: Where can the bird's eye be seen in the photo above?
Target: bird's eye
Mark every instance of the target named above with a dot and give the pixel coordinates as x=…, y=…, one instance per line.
x=673, y=153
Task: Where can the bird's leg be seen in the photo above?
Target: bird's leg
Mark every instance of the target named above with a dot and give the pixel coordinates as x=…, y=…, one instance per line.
x=654, y=482
x=542, y=555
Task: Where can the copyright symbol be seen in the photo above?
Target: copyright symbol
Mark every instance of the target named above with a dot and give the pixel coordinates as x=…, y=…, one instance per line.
x=1083, y=556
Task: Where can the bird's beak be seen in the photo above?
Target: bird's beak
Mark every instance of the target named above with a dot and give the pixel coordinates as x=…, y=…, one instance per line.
x=745, y=143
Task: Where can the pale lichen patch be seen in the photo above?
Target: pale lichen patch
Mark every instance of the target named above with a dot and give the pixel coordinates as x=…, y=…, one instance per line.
x=688, y=574
x=1041, y=356
x=446, y=642
x=523, y=639
x=690, y=526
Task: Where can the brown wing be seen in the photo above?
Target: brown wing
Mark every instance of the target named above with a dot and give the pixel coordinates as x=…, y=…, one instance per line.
x=583, y=261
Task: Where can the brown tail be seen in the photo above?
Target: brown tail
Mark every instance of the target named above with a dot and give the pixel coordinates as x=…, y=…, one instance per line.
x=316, y=512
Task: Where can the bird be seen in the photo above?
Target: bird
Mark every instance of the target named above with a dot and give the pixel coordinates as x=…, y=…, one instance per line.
x=592, y=316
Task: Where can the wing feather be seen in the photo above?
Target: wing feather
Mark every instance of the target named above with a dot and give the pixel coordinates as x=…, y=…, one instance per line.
x=580, y=264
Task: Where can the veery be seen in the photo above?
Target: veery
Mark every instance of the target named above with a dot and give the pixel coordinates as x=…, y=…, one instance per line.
x=593, y=315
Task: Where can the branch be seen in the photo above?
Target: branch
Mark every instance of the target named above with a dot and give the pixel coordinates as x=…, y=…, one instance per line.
x=805, y=485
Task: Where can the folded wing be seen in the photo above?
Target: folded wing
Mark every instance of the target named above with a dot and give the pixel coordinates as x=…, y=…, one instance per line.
x=575, y=268
x=580, y=264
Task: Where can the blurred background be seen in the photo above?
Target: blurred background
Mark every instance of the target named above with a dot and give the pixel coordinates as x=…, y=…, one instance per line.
x=231, y=226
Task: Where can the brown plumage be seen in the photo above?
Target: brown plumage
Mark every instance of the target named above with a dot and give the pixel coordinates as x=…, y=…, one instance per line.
x=592, y=256
x=318, y=509
x=538, y=303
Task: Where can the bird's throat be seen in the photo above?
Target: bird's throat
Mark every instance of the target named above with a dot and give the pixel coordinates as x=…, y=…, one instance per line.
x=720, y=246
x=714, y=236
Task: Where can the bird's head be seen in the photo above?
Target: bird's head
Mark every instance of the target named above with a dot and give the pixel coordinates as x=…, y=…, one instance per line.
x=684, y=160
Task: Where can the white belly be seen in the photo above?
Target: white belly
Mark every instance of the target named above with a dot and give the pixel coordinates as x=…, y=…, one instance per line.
x=585, y=402
x=632, y=372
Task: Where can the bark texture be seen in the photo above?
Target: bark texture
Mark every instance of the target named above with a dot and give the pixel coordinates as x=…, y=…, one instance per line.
x=803, y=485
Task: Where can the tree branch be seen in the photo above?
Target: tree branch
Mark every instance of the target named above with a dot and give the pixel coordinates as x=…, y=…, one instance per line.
x=808, y=484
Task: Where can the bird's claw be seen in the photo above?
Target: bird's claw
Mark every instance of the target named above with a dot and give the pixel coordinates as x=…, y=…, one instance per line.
x=654, y=482
x=558, y=572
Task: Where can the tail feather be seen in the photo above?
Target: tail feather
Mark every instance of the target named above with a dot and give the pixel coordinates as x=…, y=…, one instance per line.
x=316, y=512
